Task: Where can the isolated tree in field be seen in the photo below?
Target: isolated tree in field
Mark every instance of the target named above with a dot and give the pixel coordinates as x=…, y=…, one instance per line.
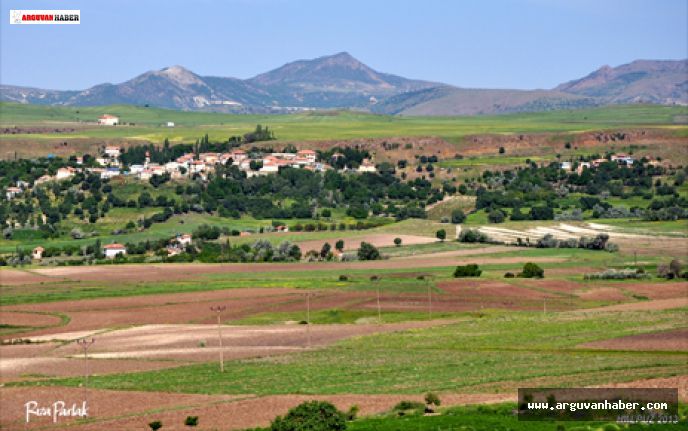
x=431, y=402
x=470, y=270
x=155, y=425
x=531, y=270
x=325, y=250
x=191, y=421
x=458, y=216
x=368, y=251
x=339, y=245
x=441, y=234
x=397, y=241
x=495, y=216
x=311, y=416
x=502, y=150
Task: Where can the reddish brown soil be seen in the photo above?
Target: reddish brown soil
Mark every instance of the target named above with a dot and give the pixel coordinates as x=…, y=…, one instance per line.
x=603, y=294
x=171, y=271
x=161, y=346
x=378, y=240
x=134, y=410
x=659, y=304
x=659, y=290
x=679, y=382
x=27, y=319
x=670, y=341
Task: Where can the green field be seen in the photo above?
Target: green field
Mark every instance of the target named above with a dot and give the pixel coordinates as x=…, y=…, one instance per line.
x=322, y=125
x=496, y=351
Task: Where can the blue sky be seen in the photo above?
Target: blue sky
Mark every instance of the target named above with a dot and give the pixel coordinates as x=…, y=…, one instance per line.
x=489, y=43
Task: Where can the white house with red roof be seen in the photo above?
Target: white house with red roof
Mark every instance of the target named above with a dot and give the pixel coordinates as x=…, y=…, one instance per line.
x=113, y=250
x=108, y=120
x=309, y=155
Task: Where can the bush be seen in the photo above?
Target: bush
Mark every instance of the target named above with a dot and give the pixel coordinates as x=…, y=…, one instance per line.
x=531, y=270
x=458, y=216
x=470, y=270
x=368, y=251
x=495, y=216
x=397, y=241
x=155, y=425
x=431, y=401
x=509, y=275
x=441, y=234
x=191, y=421
x=404, y=407
x=311, y=416
x=617, y=274
x=343, y=278
x=472, y=235
x=352, y=413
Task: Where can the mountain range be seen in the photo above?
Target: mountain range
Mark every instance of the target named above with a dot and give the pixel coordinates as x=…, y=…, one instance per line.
x=341, y=81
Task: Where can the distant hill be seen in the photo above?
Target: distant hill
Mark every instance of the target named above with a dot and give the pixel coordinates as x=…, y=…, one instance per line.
x=646, y=81
x=465, y=101
x=341, y=81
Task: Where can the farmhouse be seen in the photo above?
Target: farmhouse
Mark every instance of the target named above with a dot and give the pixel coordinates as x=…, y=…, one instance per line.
x=112, y=151
x=12, y=192
x=64, y=173
x=112, y=250
x=184, y=240
x=37, y=253
x=623, y=159
x=367, y=166
x=308, y=155
x=108, y=120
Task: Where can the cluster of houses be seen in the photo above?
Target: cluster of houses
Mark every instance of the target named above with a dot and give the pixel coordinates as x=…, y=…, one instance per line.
x=110, y=251
x=113, y=120
x=621, y=159
x=189, y=165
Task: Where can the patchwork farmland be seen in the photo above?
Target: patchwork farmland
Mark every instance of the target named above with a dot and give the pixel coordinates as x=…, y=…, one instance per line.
x=394, y=293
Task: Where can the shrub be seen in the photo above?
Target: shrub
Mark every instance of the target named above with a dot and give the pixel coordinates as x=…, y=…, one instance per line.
x=368, y=251
x=343, y=278
x=470, y=270
x=191, y=421
x=155, y=425
x=404, y=407
x=531, y=270
x=441, y=234
x=311, y=416
x=495, y=216
x=617, y=274
x=509, y=275
x=431, y=400
x=472, y=235
x=397, y=241
x=352, y=413
x=458, y=216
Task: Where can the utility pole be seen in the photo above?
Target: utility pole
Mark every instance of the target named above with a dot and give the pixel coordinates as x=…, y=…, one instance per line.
x=218, y=309
x=85, y=344
x=308, y=319
x=376, y=280
x=429, y=285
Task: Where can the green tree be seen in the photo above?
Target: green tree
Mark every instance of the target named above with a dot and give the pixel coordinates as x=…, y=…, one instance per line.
x=311, y=416
x=368, y=251
x=458, y=216
x=397, y=241
x=531, y=270
x=441, y=234
x=339, y=245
